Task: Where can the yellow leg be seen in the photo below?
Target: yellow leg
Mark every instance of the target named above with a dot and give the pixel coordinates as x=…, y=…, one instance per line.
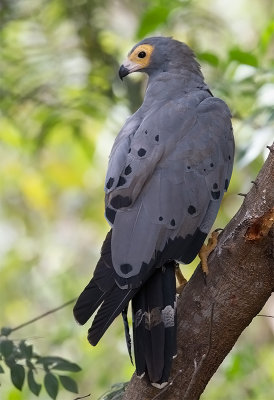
x=206, y=249
x=181, y=279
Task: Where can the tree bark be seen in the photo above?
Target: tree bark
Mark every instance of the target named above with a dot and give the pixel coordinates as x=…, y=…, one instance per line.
x=211, y=317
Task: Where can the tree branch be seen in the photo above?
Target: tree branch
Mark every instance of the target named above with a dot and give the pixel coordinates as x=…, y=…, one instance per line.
x=240, y=280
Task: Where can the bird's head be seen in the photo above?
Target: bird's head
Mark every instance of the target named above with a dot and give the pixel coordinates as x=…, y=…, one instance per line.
x=159, y=54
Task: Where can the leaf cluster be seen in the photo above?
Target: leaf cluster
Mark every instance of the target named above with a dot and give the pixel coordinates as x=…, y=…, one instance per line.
x=25, y=366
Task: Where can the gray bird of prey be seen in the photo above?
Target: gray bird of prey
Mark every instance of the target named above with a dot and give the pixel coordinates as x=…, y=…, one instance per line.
x=168, y=170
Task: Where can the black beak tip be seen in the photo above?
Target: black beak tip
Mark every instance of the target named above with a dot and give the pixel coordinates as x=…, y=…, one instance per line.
x=123, y=71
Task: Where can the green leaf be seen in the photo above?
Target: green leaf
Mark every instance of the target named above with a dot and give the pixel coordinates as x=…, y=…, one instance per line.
x=10, y=361
x=26, y=349
x=6, y=348
x=68, y=383
x=5, y=331
x=66, y=366
x=58, y=363
x=267, y=36
x=210, y=58
x=30, y=364
x=51, y=385
x=17, y=374
x=34, y=387
x=243, y=57
x=152, y=19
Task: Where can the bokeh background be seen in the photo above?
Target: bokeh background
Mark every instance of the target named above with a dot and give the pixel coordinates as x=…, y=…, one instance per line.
x=61, y=106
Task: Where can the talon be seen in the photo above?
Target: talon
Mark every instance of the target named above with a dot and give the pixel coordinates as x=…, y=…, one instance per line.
x=205, y=251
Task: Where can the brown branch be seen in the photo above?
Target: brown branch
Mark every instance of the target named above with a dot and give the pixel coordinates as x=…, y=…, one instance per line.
x=240, y=280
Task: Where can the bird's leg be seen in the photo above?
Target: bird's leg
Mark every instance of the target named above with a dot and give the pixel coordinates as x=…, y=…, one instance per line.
x=206, y=249
x=180, y=278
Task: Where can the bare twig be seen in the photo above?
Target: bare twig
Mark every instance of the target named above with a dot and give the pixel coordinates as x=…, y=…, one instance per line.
x=82, y=397
x=42, y=315
x=264, y=315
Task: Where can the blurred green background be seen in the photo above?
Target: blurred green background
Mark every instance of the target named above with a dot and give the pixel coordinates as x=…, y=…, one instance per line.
x=61, y=106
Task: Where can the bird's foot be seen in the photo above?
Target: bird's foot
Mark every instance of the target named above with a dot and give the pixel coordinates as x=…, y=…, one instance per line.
x=181, y=279
x=206, y=249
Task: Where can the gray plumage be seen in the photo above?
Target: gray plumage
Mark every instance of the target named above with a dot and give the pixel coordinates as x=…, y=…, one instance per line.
x=168, y=170
x=178, y=145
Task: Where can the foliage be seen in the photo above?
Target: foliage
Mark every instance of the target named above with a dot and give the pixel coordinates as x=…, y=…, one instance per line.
x=24, y=365
x=61, y=105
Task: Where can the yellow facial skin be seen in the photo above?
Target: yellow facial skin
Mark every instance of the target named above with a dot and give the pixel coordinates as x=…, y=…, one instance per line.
x=144, y=50
x=139, y=58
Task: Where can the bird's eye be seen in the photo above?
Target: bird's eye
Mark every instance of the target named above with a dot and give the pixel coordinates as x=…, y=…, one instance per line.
x=142, y=54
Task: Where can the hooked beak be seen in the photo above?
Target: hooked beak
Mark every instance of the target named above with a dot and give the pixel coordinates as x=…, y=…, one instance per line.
x=127, y=67
x=123, y=71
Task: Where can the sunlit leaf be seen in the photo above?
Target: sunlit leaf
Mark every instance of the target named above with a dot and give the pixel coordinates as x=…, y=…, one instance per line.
x=68, y=383
x=243, y=57
x=267, y=35
x=1, y=370
x=152, y=19
x=210, y=58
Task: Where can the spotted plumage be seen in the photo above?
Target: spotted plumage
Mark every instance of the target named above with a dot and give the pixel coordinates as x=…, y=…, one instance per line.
x=167, y=173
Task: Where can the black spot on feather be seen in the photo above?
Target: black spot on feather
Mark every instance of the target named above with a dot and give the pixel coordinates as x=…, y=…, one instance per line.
x=110, y=215
x=191, y=210
x=215, y=186
x=226, y=184
x=215, y=195
x=172, y=222
x=121, y=181
x=142, y=152
x=128, y=170
x=125, y=268
x=160, y=218
x=110, y=183
x=120, y=201
x=157, y=138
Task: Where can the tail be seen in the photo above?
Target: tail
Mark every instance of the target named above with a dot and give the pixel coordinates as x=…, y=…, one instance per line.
x=154, y=325
x=102, y=291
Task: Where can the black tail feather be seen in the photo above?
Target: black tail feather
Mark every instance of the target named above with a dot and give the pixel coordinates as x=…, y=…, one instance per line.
x=95, y=292
x=154, y=314
x=127, y=333
x=87, y=303
x=154, y=325
x=114, y=302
